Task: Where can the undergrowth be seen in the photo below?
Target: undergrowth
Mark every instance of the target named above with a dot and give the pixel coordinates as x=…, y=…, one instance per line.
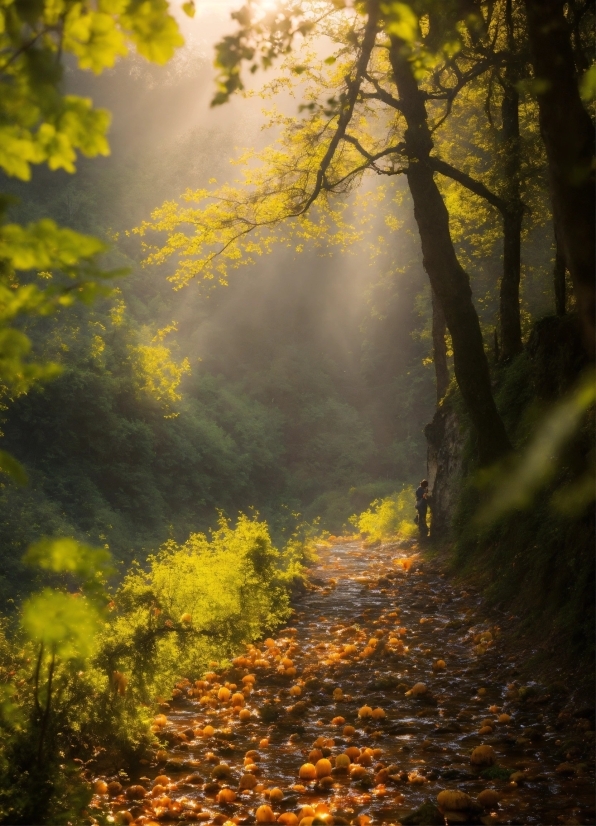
x=82, y=673
x=538, y=560
x=388, y=517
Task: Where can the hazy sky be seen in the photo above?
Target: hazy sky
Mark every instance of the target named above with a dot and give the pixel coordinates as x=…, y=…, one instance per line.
x=212, y=19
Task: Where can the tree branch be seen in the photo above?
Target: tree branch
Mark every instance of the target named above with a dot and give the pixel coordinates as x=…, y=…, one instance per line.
x=368, y=42
x=398, y=149
x=477, y=187
x=381, y=94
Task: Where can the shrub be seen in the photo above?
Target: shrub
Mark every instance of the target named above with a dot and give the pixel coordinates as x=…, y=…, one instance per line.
x=80, y=675
x=389, y=517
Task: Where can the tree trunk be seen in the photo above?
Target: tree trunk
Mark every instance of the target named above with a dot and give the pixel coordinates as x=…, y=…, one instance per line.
x=447, y=277
x=509, y=312
x=568, y=135
x=440, y=348
x=511, y=338
x=559, y=271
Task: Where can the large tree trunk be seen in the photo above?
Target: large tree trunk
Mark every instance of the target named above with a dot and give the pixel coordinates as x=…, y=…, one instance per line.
x=568, y=135
x=511, y=338
x=439, y=329
x=447, y=277
x=509, y=312
x=559, y=270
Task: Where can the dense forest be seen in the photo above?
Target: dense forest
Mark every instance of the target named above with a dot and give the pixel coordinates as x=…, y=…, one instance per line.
x=255, y=287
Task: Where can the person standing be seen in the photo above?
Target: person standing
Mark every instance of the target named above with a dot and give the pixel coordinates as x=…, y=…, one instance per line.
x=422, y=508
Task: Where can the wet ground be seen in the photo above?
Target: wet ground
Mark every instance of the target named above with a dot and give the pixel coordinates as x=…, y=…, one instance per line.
x=390, y=686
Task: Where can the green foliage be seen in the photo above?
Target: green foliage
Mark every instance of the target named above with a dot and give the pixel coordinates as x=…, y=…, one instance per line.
x=44, y=266
x=533, y=547
x=84, y=669
x=541, y=458
x=45, y=665
x=43, y=125
x=387, y=518
x=197, y=602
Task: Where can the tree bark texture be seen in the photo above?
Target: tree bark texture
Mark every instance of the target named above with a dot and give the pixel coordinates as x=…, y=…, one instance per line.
x=568, y=135
x=509, y=311
x=559, y=270
x=439, y=328
x=448, y=279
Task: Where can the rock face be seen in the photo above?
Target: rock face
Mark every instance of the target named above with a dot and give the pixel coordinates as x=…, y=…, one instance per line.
x=445, y=439
x=554, y=357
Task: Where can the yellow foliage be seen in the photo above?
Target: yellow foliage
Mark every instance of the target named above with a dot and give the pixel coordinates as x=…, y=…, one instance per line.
x=157, y=374
x=388, y=517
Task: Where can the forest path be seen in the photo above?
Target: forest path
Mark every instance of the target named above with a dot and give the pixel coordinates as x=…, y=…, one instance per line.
x=375, y=625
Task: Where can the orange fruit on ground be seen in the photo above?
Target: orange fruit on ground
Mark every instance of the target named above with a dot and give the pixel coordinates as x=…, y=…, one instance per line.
x=288, y=819
x=247, y=781
x=264, y=814
x=483, y=756
x=342, y=761
x=454, y=801
x=226, y=796
x=323, y=767
x=307, y=772
x=489, y=798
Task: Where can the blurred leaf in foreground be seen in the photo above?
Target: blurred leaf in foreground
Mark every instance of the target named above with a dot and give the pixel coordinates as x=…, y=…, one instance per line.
x=538, y=463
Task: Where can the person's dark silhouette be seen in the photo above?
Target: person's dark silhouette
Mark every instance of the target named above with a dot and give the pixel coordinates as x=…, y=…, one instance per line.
x=421, y=508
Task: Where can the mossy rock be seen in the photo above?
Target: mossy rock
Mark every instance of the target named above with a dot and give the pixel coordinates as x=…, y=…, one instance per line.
x=425, y=815
x=495, y=773
x=269, y=712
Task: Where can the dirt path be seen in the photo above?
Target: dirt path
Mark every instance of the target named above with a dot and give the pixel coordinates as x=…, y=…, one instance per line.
x=375, y=627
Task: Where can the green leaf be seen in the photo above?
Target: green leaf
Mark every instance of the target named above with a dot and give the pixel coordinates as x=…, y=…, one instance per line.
x=189, y=8
x=587, y=86
x=154, y=32
x=65, y=623
x=536, y=466
x=66, y=555
x=13, y=468
x=94, y=38
x=17, y=151
x=400, y=20
x=44, y=245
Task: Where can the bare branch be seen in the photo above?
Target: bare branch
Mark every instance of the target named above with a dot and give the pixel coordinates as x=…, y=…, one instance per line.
x=477, y=187
x=381, y=94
